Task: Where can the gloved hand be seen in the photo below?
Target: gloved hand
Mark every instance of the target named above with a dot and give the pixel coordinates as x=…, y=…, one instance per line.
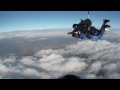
x=69, y=33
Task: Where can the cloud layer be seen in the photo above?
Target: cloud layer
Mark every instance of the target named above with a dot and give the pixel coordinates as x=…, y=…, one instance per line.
x=87, y=59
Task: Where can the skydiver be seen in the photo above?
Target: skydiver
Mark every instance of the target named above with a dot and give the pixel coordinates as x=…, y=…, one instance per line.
x=99, y=33
x=82, y=26
x=93, y=33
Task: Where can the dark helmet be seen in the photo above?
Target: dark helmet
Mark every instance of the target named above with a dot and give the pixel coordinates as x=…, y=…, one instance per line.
x=74, y=25
x=74, y=34
x=87, y=22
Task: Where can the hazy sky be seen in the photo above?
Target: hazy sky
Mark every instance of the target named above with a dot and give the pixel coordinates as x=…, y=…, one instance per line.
x=24, y=20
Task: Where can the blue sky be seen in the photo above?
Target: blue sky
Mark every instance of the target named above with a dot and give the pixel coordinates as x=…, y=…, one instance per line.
x=25, y=20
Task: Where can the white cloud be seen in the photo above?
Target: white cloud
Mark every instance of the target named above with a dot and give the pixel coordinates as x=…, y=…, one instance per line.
x=28, y=60
x=95, y=67
x=30, y=72
x=90, y=76
x=3, y=69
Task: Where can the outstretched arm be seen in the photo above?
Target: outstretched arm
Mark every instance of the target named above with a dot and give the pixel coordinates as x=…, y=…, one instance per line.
x=76, y=29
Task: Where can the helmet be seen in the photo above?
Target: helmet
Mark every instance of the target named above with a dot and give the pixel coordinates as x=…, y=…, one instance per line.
x=74, y=34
